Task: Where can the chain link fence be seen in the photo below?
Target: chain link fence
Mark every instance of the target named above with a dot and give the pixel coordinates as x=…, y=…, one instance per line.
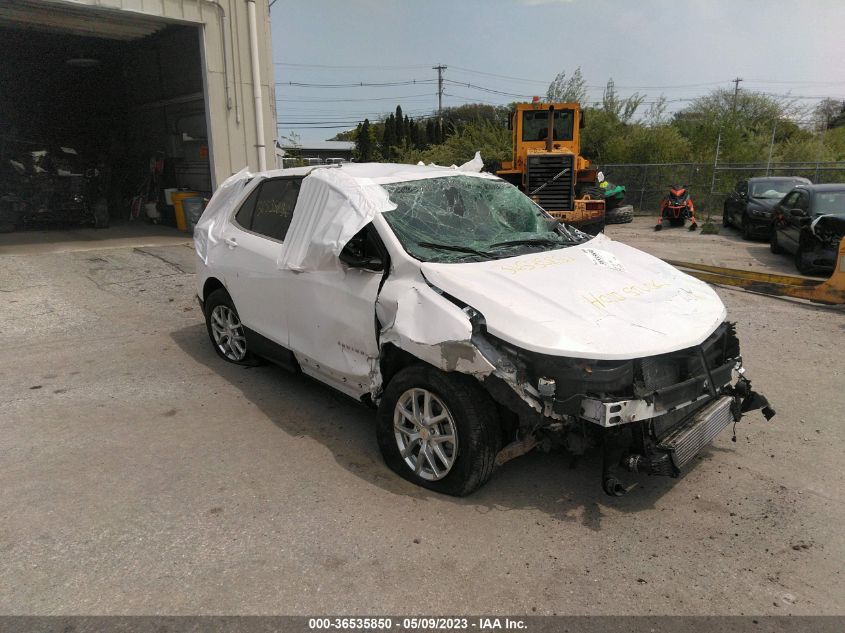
x=647, y=183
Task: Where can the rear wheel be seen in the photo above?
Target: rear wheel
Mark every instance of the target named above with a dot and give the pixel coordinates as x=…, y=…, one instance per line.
x=620, y=215
x=440, y=431
x=226, y=330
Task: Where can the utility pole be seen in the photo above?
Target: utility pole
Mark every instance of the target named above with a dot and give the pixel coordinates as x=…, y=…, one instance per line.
x=439, y=68
x=736, y=91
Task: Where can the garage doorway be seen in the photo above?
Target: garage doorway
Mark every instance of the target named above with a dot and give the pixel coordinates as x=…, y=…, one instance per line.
x=102, y=117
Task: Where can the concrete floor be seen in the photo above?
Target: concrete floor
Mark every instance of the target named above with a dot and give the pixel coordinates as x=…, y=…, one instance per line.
x=140, y=474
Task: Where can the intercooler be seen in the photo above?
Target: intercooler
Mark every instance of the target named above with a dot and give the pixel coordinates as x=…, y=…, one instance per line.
x=686, y=440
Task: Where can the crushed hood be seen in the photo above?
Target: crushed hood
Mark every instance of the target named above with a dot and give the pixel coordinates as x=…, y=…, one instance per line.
x=600, y=300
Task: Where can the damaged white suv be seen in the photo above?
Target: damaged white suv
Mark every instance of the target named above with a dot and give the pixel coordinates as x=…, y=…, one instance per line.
x=478, y=325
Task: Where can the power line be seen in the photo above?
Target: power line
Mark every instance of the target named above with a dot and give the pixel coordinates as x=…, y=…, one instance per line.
x=416, y=96
x=360, y=84
x=351, y=67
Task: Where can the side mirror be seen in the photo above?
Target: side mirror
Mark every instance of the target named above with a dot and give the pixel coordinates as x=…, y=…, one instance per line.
x=355, y=258
x=797, y=213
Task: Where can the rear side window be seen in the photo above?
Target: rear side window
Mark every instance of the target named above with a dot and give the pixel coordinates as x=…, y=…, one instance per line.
x=274, y=207
x=269, y=209
x=244, y=215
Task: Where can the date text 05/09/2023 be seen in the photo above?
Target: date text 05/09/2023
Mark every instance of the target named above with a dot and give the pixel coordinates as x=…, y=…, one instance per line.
x=416, y=623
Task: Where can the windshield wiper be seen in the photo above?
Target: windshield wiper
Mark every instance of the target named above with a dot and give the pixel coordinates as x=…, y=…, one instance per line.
x=530, y=241
x=456, y=248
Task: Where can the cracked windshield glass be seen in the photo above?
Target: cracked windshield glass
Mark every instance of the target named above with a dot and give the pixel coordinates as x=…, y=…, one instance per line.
x=465, y=218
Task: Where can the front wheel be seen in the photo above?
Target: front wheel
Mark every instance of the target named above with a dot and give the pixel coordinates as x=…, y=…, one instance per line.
x=438, y=430
x=804, y=267
x=774, y=245
x=746, y=228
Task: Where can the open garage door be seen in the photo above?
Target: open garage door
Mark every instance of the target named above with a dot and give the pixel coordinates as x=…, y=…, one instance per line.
x=102, y=117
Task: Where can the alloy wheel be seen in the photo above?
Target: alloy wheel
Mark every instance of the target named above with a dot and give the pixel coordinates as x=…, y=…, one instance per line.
x=228, y=333
x=425, y=434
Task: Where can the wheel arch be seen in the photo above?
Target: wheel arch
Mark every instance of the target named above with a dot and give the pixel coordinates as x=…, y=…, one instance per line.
x=211, y=284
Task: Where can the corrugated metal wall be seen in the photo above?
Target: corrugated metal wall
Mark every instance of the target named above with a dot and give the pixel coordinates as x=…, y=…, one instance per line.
x=227, y=78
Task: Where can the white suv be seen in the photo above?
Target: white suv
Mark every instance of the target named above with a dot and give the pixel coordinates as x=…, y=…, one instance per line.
x=476, y=324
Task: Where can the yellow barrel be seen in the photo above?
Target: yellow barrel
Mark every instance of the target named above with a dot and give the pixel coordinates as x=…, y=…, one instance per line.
x=177, y=197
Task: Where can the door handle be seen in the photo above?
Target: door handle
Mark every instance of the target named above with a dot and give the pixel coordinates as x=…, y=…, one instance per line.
x=231, y=242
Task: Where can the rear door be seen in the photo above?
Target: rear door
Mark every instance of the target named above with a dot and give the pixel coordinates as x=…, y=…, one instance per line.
x=253, y=237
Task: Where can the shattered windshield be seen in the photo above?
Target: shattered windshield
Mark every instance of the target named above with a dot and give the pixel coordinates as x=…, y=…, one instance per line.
x=465, y=218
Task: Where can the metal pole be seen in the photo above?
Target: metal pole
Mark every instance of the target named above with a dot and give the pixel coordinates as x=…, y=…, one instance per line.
x=736, y=92
x=439, y=68
x=771, y=147
x=256, y=86
x=716, y=161
x=642, y=187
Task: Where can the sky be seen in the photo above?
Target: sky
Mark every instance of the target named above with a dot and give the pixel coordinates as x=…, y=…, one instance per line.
x=680, y=49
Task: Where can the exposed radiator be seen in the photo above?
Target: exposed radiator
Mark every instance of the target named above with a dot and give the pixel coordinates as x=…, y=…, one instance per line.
x=689, y=438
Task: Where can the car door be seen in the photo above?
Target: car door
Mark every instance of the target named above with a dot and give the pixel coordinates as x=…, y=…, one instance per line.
x=331, y=315
x=737, y=201
x=796, y=215
x=254, y=236
x=780, y=215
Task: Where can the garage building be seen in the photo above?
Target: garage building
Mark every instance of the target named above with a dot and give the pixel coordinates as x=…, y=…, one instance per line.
x=117, y=101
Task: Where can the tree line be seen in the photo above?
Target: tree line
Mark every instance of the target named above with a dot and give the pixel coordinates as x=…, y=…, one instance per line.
x=749, y=126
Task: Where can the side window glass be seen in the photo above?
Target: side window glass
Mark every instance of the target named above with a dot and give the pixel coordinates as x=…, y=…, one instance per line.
x=274, y=207
x=244, y=215
x=803, y=202
x=789, y=202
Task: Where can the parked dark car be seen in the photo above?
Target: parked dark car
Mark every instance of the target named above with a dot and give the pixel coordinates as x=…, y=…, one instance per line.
x=749, y=206
x=809, y=222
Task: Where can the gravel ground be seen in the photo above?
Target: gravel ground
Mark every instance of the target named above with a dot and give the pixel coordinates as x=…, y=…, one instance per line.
x=140, y=474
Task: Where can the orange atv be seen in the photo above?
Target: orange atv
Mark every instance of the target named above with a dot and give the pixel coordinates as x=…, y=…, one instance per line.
x=676, y=208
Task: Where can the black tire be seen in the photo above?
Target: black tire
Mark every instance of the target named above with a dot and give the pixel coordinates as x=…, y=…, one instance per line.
x=595, y=193
x=100, y=211
x=726, y=217
x=774, y=245
x=221, y=298
x=800, y=263
x=746, y=228
x=475, y=418
x=620, y=215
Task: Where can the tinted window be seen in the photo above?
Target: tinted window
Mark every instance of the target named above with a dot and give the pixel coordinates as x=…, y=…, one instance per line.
x=274, y=207
x=829, y=202
x=789, y=201
x=535, y=125
x=244, y=215
x=803, y=201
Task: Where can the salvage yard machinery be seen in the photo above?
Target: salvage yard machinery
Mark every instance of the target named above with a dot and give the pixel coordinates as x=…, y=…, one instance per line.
x=547, y=164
